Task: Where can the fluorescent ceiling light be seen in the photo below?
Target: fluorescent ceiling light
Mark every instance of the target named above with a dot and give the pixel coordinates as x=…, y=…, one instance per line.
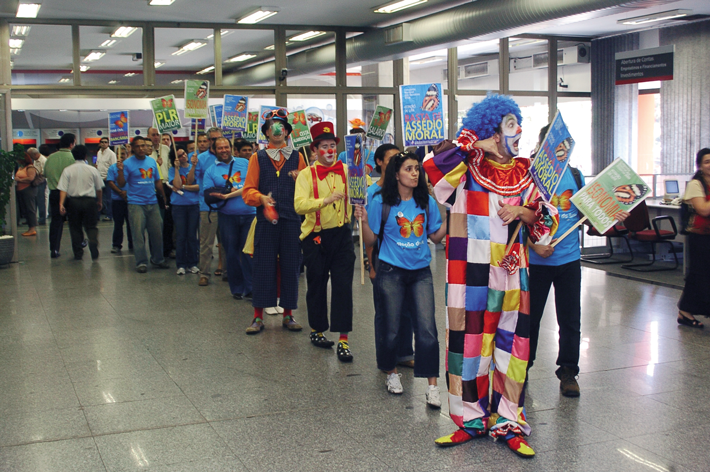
x=258, y=15
x=15, y=51
x=191, y=46
x=84, y=68
x=129, y=74
x=222, y=33
x=245, y=56
x=270, y=48
x=108, y=43
x=20, y=30
x=158, y=64
x=427, y=60
x=16, y=42
x=397, y=6
x=206, y=70
x=307, y=35
x=176, y=81
x=666, y=15
x=123, y=32
x=94, y=56
x=64, y=80
x=28, y=10
x=160, y=3
x=113, y=81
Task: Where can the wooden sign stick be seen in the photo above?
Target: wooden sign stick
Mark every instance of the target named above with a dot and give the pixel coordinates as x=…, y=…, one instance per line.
x=362, y=250
x=580, y=222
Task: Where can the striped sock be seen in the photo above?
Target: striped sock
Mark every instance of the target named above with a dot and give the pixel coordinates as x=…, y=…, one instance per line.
x=343, y=337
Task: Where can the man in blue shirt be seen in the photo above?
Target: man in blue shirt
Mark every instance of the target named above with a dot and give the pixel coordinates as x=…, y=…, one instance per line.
x=139, y=177
x=119, y=207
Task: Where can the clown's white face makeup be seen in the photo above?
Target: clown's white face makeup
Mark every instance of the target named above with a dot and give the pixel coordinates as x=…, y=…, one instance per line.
x=510, y=134
x=326, y=151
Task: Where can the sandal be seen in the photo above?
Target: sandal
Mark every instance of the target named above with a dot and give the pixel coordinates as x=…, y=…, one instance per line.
x=685, y=321
x=218, y=272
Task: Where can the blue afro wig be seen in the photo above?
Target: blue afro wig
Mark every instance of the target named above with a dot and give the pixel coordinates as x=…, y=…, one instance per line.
x=484, y=117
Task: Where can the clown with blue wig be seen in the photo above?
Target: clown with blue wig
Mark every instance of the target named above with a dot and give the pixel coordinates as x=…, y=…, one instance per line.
x=491, y=197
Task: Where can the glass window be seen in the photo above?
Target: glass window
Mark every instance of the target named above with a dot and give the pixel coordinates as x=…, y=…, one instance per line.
x=479, y=66
x=363, y=107
x=528, y=64
x=464, y=103
x=182, y=53
x=428, y=67
x=535, y=112
x=577, y=113
x=247, y=57
x=574, y=68
x=109, y=55
x=42, y=56
x=375, y=74
x=304, y=49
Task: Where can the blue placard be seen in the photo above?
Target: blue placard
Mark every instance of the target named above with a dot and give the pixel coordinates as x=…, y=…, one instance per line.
x=234, y=116
x=422, y=114
x=118, y=128
x=552, y=158
x=216, y=115
x=355, y=158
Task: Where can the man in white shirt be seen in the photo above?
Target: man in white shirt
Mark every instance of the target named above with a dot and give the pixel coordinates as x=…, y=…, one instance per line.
x=160, y=153
x=105, y=158
x=41, y=200
x=82, y=184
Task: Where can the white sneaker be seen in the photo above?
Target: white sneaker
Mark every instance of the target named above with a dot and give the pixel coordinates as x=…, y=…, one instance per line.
x=194, y=270
x=393, y=383
x=433, y=399
x=181, y=271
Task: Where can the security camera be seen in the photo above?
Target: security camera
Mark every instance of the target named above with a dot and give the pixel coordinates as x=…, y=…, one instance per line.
x=137, y=56
x=284, y=74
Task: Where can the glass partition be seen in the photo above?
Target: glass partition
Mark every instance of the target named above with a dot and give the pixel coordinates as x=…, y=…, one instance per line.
x=528, y=64
x=479, y=66
x=111, y=55
x=305, y=48
x=42, y=54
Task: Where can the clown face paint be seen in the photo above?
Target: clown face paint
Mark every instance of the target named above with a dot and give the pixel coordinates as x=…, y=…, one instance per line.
x=326, y=151
x=277, y=129
x=510, y=132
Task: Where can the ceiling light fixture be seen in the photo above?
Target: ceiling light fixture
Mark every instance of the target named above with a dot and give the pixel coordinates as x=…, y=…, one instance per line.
x=191, y=46
x=15, y=51
x=177, y=81
x=427, y=60
x=222, y=33
x=123, y=32
x=245, y=56
x=258, y=15
x=129, y=74
x=397, y=6
x=307, y=35
x=108, y=43
x=84, y=68
x=28, y=10
x=113, y=81
x=94, y=56
x=206, y=70
x=666, y=15
x=20, y=30
x=16, y=42
x=160, y=3
x=65, y=80
x=270, y=48
x=158, y=64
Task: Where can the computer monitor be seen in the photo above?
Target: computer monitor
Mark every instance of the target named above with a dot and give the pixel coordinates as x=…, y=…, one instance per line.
x=672, y=190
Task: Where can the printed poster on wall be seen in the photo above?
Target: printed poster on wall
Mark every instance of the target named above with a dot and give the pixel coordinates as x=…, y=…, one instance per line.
x=617, y=188
x=379, y=123
x=197, y=94
x=165, y=114
x=552, y=158
x=301, y=134
x=263, y=111
x=118, y=128
x=234, y=113
x=357, y=183
x=422, y=114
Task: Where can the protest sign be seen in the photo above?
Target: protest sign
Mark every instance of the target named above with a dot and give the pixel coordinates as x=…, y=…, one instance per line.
x=552, y=158
x=216, y=115
x=197, y=94
x=252, y=126
x=379, y=123
x=422, y=114
x=197, y=126
x=617, y=188
x=264, y=110
x=355, y=154
x=118, y=128
x=234, y=114
x=301, y=134
x=165, y=114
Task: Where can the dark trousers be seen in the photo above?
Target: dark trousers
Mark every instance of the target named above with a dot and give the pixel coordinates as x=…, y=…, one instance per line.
x=41, y=202
x=119, y=209
x=234, y=230
x=186, y=219
x=27, y=198
x=276, y=245
x=405, y=349
x=567, y=280
x=330, y=254
x=106, y=207
x=83, y=214
x=56, y=227
x=167, y=215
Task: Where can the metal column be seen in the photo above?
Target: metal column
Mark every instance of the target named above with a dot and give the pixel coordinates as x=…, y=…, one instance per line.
x=504, y=69
x=76, y=54
x=552, y=77
x=279, y=65
x=6, y=123
x=452, y=77
x=341, y=80
x=148, y=55
x=398, y=65
x=217, y=56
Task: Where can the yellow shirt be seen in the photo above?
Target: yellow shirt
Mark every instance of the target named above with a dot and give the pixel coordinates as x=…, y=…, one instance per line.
x=334, y=215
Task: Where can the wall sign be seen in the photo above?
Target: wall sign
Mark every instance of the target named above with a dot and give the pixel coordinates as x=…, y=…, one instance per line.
x=645, y=65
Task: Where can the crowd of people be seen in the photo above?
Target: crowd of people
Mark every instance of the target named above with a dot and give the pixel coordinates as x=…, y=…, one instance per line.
x=272, y=211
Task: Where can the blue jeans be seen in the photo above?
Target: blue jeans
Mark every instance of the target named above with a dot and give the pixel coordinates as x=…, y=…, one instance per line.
x=397, y=287
x=107, y=208
x=142, y=218
x=405, y=350
x=233, y=232
x=186, y=219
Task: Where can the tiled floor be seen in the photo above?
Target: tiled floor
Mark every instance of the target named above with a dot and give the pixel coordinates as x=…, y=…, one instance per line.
x=102, y=368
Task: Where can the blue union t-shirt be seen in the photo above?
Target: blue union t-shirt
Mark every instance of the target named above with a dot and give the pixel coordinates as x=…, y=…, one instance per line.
x=188, y=197
x=404, y=243
x=112, y=176
x=141, y=176
x=568, y=249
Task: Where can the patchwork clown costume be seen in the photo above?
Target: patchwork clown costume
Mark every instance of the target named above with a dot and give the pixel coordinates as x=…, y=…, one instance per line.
x=488, y=304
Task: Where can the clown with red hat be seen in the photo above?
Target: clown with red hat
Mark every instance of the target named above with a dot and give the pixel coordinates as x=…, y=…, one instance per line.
x=326, y=241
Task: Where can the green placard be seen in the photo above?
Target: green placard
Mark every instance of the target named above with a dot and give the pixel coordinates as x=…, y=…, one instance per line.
x=197, y=95
x=301, y=134
x=379, y=123
x=165, y=114
x=617, y=188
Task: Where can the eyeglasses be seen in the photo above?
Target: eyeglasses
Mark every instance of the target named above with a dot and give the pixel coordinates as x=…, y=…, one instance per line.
x=278, y=113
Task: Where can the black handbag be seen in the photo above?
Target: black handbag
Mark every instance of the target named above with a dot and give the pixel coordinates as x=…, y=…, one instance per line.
x=217, y=203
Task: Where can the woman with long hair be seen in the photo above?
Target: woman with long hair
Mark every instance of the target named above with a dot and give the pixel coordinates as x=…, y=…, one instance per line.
x=401, y=217
x=27, y=193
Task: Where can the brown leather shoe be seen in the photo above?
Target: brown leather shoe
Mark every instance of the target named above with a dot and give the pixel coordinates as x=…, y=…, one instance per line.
x=291, y=324
x=204, y=281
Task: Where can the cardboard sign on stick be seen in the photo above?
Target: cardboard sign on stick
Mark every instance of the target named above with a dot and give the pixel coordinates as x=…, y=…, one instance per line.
x=165, y=114
x=197, y=94
x=118, y=128
x=422, y=114
x=552, y=158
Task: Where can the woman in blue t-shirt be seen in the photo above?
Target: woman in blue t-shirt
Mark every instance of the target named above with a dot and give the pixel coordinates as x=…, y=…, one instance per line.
x=403, y=272
x=186, y=213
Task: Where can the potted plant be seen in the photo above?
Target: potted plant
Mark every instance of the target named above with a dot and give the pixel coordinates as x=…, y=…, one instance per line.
x=8, y=160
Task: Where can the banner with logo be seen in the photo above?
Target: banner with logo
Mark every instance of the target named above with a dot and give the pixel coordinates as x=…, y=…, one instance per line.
x=422, y=114
x=355, y=159
x=197, y=94
x=379, y=123
x=301, y=134
x=118, y=128
x=552, y=158
x=252, y=126
x=165, y=114
x=263, y=111
x=617, y=188
x=201, y=126
x=234, y=114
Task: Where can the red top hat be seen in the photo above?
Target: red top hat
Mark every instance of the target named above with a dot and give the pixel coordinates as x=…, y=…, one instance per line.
x=322, y=131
